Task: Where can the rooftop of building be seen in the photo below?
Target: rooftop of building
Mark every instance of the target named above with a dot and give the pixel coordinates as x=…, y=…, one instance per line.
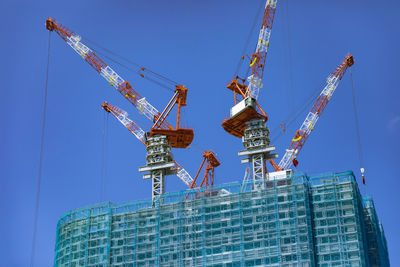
x=227, y=188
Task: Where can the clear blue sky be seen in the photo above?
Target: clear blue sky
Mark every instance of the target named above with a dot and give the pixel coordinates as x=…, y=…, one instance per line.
x=197, y=43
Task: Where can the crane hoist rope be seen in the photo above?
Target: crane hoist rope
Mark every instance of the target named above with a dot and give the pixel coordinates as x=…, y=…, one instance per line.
x=104, y=158
x=357, y=126
x=42, y=139
x=295, y=114
x=158, y=78
x=138, y=72
x=241, y=60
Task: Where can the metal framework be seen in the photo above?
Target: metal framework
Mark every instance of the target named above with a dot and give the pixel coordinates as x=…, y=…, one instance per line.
x=179, y=137
x=257, y=60
x=248, y=109
x=236, y=123
x=257, y=150
x=208, y=178
x=122, y=116
x=306, y=128
x=159, y=163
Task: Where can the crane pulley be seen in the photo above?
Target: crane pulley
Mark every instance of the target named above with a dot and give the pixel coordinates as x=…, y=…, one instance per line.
x=306, y=128
x=177, y=137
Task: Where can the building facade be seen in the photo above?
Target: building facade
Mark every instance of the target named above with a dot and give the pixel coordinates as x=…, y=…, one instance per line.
x=293, y=220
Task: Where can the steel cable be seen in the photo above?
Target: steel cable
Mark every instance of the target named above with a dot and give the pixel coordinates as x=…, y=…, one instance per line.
x=161, y=77
x=360, y=154
x=32, y=259
x=134, y=71
x=248, y=39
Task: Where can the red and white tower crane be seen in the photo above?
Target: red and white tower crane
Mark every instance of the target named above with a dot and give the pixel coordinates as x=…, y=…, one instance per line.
x=177, y=137
x=247, y=119
x=306, y=128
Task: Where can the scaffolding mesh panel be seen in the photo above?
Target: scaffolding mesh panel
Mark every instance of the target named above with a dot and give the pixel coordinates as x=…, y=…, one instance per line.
x=294, y=221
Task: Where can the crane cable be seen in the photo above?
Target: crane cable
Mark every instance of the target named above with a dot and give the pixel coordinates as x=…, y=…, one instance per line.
x=142, y=68
x=287, y=55
x=294, y=115
x=104, y=158
x=35, y=220
x=133, y=71
x=360, y=154
x=240, y=62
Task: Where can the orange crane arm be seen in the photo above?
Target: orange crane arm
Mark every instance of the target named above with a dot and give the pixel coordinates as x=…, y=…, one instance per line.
x=208, y=178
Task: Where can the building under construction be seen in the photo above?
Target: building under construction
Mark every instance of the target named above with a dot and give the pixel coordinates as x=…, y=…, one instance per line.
x=296, y=220
x=278, y=218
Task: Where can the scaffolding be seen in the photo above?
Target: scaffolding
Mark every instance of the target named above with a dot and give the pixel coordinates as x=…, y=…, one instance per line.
x=295, y=220
x=338, y=221
x=377, y=246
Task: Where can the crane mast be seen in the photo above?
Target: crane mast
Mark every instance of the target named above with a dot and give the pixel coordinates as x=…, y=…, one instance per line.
x=306, y=128
x=135, y=129
x=247, y=119
x=179, y=137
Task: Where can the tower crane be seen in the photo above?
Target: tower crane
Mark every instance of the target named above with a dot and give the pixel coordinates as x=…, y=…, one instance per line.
x=177, y=137
x=247, y=119
x=306, y=128
x=140, y=134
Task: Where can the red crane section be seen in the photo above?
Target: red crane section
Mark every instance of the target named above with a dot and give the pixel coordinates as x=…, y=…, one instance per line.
x=179, y=137
x=208, y=178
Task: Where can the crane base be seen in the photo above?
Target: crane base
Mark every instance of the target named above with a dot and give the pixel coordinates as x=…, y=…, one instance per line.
x=180, y=138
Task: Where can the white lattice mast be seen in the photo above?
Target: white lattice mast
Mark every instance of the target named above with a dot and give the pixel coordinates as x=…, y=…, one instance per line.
x=159, y=163
x=257, y=150
x=122, y=116
x=306, y=128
